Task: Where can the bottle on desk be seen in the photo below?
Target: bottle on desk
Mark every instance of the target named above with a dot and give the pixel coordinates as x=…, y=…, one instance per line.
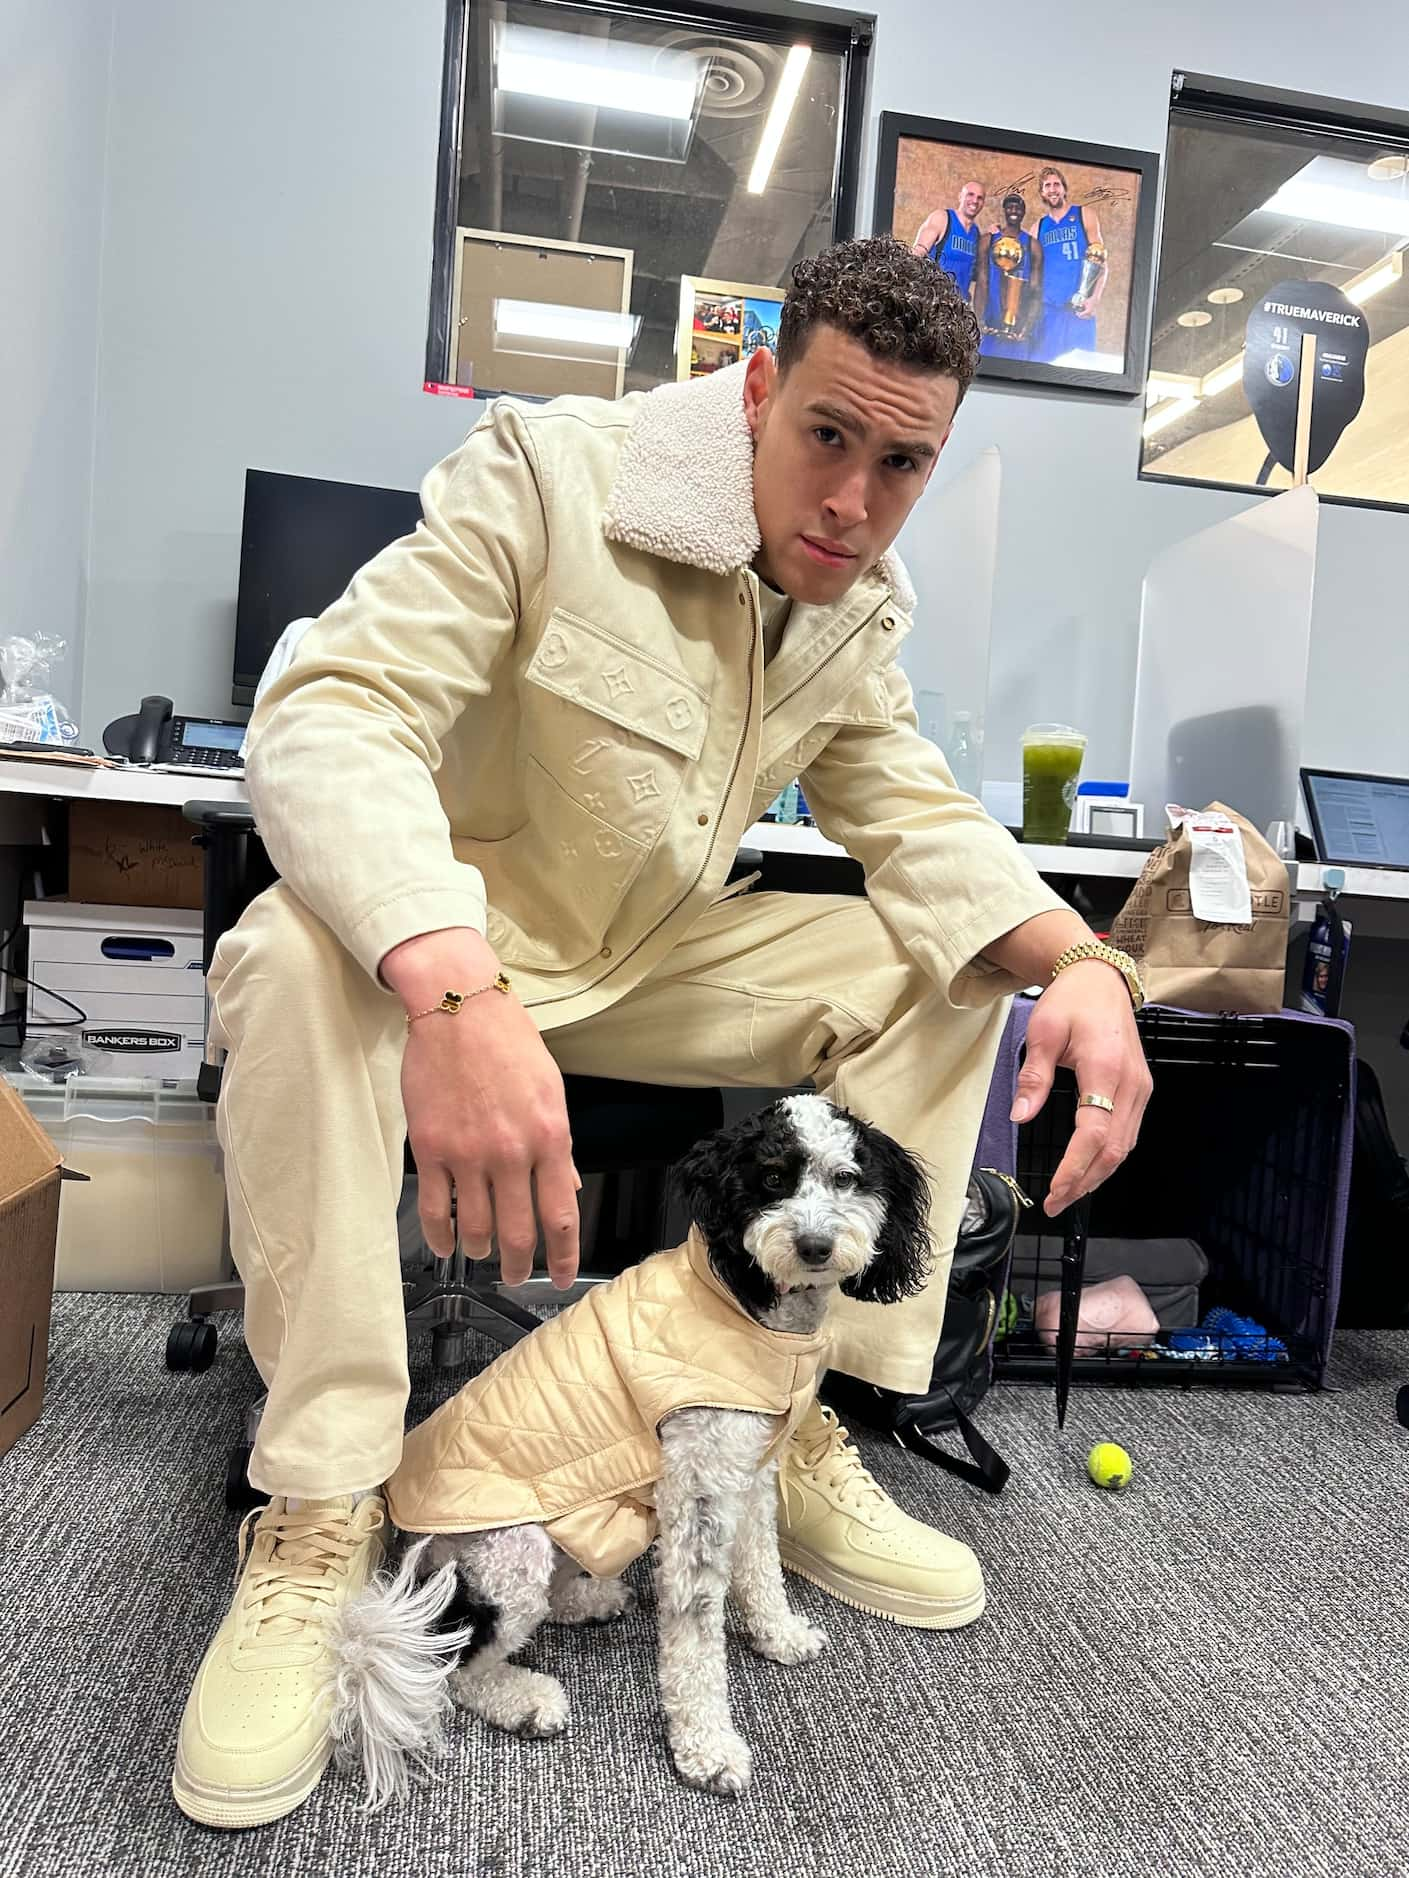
x=964, y=753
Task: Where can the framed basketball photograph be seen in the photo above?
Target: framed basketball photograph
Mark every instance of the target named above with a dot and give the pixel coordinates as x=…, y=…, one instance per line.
x=1049, y=241
x=721, y=322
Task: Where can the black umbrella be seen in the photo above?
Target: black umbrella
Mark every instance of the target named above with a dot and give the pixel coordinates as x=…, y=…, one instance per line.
x=1073, y=1271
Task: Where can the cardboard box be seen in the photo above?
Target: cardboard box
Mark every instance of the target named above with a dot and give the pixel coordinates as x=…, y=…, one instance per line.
x=136, y=975
x=29, y=1224
x=133, y=854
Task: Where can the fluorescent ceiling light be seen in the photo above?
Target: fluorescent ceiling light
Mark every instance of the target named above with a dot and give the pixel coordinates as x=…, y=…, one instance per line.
x=1171, y=414
x=1162, y=385
x=1376, y=280
x=1343, y=208
x=565, y=325
x=609, y=73
x=1221, y=377
x=784, y=98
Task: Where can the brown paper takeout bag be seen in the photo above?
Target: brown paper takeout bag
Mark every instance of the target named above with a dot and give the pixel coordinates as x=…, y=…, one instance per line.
x=1201, y=964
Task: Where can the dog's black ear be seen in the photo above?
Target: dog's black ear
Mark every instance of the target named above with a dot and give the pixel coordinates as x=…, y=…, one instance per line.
x=700, y=1177
x=904, y=1253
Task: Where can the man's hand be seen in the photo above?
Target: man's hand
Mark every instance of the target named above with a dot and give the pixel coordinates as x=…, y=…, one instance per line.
x=485, y=1112
x=1084, y=1022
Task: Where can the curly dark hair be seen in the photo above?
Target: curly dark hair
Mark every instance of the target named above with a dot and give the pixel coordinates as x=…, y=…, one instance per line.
x=897, y=303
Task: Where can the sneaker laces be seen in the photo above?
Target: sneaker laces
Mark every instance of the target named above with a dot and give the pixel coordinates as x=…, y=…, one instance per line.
x=299, y=1579
x=839, y=1468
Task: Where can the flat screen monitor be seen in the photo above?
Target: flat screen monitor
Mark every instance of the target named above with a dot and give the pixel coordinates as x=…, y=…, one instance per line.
x=302, y=541
x=1358, y=820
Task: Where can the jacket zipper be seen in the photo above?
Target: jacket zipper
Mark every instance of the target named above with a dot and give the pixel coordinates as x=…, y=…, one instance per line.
x=808, y=677
x=1008, y=1181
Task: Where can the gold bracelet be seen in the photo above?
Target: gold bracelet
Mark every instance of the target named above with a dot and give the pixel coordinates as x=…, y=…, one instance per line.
x=1108, y=955
x=453, y=1002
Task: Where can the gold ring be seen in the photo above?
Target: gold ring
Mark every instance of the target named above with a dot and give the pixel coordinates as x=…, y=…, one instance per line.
x=1097, y=1102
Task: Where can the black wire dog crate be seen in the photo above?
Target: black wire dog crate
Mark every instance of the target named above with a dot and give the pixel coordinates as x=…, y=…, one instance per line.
x=1244, y=1160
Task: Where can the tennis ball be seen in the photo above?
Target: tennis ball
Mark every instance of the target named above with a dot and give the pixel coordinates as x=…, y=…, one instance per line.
x=1109, y=1465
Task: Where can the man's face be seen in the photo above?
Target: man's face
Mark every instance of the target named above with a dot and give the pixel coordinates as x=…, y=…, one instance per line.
x=971, y=200
x=844, y=443
x=1054, y=191
x=1014, y=209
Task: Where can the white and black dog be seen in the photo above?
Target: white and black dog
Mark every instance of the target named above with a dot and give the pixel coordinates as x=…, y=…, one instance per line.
x=795, y=1202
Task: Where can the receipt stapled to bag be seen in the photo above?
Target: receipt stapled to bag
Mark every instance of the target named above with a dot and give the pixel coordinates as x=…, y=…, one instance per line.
x=1218, y=866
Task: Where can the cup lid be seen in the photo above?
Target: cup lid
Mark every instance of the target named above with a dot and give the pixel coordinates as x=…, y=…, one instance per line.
x=1053, y=733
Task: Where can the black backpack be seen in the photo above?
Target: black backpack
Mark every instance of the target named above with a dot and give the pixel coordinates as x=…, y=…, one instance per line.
x=963, y=1364
x=1375, y=1273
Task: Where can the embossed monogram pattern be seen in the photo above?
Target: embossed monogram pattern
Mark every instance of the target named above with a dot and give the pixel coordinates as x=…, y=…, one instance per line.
x=586, y=754
x=617, y=682
x=554, y=650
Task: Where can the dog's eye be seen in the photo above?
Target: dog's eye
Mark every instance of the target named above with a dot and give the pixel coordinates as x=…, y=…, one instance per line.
x=773, y=1180
x=844, y=1179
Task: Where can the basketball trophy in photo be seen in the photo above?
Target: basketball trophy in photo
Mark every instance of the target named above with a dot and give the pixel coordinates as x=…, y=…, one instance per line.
x=1007, y=258
x=1093, y=265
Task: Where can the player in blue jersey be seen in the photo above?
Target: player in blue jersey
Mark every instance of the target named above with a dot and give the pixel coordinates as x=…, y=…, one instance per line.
x=950, y=238
x=1064, y=233
x=1001, y=341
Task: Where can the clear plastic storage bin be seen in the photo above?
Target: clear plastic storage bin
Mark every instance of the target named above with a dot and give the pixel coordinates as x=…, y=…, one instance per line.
x=150, y=1217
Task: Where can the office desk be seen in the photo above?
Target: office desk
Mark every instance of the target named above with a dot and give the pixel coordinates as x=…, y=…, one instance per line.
x=1384, y=891
x=60, y=781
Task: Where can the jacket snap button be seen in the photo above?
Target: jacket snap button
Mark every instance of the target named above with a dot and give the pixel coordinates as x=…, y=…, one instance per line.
x=703, y=820
x=606, y=952
x=887, y=624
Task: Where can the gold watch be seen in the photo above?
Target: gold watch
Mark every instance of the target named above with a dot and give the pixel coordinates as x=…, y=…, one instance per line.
x=1108, y=955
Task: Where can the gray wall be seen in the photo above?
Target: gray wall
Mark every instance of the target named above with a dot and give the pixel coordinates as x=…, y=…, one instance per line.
x=270, y=185
x=54, y=58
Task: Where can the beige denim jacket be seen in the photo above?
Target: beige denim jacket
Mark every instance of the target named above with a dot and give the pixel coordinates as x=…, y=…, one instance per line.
x=561, y=1429
x=545, y=715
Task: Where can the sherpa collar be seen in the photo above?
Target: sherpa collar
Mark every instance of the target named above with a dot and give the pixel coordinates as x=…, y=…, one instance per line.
x=684, y=485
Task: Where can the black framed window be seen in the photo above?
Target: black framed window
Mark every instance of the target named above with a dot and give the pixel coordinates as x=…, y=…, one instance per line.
x=615, y=180
x=1280, y=348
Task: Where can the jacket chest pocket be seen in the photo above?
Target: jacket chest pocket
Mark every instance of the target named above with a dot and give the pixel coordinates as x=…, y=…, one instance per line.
x=612, y=726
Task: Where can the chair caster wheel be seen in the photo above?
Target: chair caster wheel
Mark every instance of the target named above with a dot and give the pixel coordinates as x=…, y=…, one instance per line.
x=448, y=1349
x=240, y=1496
x=191, y=1344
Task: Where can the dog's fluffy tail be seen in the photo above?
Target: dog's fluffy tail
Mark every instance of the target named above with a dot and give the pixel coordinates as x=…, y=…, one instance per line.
x=390, y=1676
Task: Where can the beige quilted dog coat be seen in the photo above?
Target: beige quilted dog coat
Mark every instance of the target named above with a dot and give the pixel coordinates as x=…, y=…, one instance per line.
x=560, y=1430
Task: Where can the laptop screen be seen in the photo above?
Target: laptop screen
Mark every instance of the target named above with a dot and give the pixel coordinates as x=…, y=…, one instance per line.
x=1358, y=821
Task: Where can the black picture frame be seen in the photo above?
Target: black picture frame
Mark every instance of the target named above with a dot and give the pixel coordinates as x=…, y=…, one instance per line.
x=1039, y=150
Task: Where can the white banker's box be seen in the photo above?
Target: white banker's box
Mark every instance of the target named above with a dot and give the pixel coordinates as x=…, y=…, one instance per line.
x=125, y=980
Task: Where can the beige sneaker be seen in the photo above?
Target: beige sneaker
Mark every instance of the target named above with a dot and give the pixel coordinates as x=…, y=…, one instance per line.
x=838, y=1527
x=254, y=1738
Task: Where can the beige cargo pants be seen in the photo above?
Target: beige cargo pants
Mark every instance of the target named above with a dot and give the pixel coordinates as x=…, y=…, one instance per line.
x=766, y=989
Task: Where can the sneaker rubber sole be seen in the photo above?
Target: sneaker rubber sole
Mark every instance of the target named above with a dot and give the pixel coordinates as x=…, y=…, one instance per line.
x=211, y=1805
x=864, y=1594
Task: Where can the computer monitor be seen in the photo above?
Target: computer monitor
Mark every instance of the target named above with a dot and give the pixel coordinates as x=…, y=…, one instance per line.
x=302, y=541
x=1358, y=820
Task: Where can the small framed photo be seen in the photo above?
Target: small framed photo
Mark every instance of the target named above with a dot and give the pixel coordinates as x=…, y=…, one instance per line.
x=721, y=322
x=1049, y=241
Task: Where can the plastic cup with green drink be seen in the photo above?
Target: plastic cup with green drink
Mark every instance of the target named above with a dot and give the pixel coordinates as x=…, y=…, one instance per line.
x=1052, y=756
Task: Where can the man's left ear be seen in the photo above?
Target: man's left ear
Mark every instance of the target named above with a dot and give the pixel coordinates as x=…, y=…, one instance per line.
x=904, y=1254
x=760, y=377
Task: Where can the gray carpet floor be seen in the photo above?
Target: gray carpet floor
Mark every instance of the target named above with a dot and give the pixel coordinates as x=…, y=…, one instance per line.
x=1205, y=1675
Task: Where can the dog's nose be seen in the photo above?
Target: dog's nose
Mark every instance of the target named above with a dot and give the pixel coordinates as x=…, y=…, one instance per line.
x=814, y=1251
